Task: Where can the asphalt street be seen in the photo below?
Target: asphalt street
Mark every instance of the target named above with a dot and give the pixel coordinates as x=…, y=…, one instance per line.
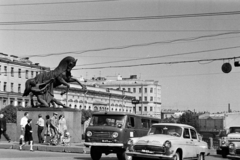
x=12, y=154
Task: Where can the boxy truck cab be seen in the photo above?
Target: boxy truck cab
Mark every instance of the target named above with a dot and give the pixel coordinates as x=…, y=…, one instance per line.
x=230, y=143
x=109, y=132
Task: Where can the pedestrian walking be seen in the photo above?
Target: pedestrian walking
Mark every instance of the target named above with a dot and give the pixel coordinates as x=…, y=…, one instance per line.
x=3, y=127
x=62, y=127
x=28, y=135
x=47, y=132
x=40, y=124
x=54, y=129
x=23, y=123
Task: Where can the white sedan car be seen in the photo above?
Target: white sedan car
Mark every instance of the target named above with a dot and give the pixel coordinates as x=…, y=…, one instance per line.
x=169, y=141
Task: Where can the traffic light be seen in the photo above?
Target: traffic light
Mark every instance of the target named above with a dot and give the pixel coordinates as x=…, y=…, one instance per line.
x=236, y=63
x=226, y=67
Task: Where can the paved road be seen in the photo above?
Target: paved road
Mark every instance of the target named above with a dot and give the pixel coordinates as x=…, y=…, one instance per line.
x=13, y=154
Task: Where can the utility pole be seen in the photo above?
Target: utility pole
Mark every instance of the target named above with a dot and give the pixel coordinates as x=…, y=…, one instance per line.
x=142, y=99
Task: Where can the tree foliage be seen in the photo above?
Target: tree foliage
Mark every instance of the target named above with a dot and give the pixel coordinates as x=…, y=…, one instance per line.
x=189, y=118
x=10, y=113
x=86, y=114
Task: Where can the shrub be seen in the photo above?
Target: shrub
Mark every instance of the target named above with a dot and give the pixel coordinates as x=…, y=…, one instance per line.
x=10, y=113
x=86, y=114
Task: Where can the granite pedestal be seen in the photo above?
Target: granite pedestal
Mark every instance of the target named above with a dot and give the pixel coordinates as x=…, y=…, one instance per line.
x=72, y=116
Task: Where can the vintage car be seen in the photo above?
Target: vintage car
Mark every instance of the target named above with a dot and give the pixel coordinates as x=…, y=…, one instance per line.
x=169, y=141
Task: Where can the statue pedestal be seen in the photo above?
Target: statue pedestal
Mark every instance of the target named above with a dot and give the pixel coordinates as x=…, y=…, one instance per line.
x=72, y=116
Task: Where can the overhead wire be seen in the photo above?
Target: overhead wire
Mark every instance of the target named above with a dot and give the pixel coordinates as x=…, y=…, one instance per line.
x=164, y=56
x=51, y=3
x=159, y=63
x=112, y=30
x=114, y=19
x=131, y=46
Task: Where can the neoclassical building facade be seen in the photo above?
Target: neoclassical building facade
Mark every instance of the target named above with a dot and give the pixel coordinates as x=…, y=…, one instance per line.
x=14, y=72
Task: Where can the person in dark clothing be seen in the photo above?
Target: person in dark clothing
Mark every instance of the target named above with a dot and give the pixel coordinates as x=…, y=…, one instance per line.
x=40, y=124
x=3, y=127
x=28, y=135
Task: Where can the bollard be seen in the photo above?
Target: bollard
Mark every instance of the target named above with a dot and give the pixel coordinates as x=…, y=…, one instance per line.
x=211, y=143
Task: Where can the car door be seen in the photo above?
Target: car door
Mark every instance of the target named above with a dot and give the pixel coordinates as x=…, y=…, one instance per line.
x=188, y=144
x=195, y=142
x=130, y=129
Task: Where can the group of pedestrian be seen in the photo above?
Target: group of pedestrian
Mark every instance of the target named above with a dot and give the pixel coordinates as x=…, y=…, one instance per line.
x=55, y=129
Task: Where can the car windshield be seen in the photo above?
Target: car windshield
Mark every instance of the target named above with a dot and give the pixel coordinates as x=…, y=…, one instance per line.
x=107, y=120
x=166, y=129
x=234, y=130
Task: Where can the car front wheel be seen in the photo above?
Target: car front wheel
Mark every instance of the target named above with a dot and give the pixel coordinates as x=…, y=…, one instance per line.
x=201, y=156
x=122, y=156
x=95, y=154
x=176, y=156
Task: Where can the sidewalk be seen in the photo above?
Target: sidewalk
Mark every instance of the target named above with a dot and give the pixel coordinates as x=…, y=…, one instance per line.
x=72, y=148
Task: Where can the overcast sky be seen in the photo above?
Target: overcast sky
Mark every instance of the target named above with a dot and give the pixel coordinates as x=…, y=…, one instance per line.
x=201, y=86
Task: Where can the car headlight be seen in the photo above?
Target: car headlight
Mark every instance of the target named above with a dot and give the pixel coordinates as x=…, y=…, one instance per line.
x=231, y=146
x=115, y=134
x=167, y=144
x=130, y=142
x=89, y=133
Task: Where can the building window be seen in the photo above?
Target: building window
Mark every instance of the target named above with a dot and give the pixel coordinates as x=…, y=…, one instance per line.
x=19, y=73
x=19, y=103
x=151, y=108
x=5, y=87
x=11, y=87
x=151, y=98
x=12, y=101
x=5, y=102
x=140, y=90
x=145, y=98
x=134, y=90
x=19, y=88
x=140, y=109
x=5, y=70
x=0, y=85
x=140, y=98
x=26, y=74
x=145, y=108
x=36, y=73
x=145, y=89
x=32, y=74
x=12, y=72
x=129, y=89
x=151, y=90
x=123, y=89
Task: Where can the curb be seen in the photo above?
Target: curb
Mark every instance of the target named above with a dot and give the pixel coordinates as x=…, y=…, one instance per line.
x=37, y=147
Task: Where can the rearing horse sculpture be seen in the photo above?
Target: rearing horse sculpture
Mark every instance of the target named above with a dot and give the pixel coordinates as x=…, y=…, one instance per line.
x=59, y=76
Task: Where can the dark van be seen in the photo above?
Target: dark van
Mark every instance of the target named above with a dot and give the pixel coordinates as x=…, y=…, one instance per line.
x=109, y=132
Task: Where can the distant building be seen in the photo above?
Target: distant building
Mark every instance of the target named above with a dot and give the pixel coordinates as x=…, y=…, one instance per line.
x=168, y=113
x=14, y=72
x=148, y=92
x=211, y=122
x=98, y=99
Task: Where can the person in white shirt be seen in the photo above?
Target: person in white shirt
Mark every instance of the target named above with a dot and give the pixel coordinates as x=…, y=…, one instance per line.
x=23, y=122
x=40, y=124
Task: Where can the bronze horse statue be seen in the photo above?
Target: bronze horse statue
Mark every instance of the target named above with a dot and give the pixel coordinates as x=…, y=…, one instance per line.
x=54, y=78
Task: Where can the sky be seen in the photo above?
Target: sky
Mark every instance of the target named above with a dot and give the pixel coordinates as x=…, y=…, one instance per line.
x=199, y=86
